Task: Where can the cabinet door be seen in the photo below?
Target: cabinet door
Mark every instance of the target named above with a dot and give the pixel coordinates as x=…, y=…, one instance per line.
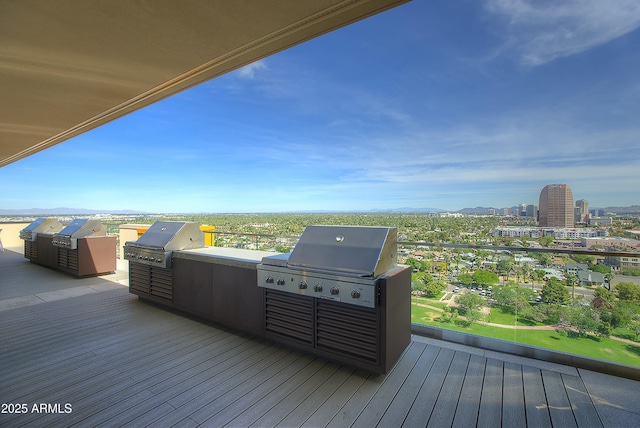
x=192, y=287
x=237, y=300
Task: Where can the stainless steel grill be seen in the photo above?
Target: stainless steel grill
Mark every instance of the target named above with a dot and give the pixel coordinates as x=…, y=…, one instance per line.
x=155, y=246
x=78, y=228
x=340, y=263
x=41, y=225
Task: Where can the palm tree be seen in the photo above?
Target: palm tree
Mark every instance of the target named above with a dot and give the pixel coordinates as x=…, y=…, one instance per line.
x=572, y=280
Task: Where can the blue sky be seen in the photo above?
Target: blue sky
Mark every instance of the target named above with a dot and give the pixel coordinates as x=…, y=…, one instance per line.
x=434, y=104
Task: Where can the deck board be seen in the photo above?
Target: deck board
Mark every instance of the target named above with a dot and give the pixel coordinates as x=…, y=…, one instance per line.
x=513, y=414
x=449, y=397
x=490, y=412
x=560, y=408
x=469, y=402
x=399, y=407
x=535, y=400
x=123, y=362
x=425, y=400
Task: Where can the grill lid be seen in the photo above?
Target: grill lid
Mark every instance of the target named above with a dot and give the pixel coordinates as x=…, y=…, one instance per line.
x=360, y=250
x=82, y=228
x=40, y=225
x=171, y=235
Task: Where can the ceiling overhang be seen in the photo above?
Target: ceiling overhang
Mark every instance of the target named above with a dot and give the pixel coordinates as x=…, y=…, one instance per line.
x=68, y=66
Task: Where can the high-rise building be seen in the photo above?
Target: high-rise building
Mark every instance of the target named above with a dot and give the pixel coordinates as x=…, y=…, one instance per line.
x=583, y=205
x=556, y=206
x=532, y=211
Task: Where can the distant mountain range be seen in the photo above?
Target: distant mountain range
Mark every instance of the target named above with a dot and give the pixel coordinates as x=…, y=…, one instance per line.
x=65, y=211
x=634, y=209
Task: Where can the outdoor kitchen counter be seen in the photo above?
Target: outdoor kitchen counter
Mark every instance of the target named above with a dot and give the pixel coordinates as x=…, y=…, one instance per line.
x=228, y=256
x=220, y=284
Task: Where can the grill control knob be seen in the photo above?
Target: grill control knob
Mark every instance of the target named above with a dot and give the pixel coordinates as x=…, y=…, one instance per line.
x=269, y=280
x=335, y=290
x=302, y=285
x=281, y=281
x=355, y=294
x=317, y=288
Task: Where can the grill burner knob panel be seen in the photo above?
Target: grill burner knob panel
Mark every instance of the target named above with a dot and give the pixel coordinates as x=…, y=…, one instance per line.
x=361, y=292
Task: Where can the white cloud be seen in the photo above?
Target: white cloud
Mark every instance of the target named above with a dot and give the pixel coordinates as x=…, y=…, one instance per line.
x=542, y=31
x=249, y=71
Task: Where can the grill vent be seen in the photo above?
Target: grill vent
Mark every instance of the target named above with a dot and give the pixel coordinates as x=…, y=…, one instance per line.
x=153, y=281
x=30, y=250
x=68, y=259
x=161, y=283
x=347, y=329
x=289, y=316
x=139, y=278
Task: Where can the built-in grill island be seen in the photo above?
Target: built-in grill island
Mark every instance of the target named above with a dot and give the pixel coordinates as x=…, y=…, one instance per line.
x=81, y=248
x=340, y=294
x=41, y=226
x=150, y=258
x=84, y=248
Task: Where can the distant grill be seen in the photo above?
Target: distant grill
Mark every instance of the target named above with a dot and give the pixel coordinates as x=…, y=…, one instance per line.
x=41, y=225
x=155, y=246
x=78, y=228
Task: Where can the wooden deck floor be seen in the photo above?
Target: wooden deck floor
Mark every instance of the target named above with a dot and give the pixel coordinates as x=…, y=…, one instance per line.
x=108, y=359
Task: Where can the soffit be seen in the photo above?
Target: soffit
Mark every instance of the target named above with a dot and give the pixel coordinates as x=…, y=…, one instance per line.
x=68, y=66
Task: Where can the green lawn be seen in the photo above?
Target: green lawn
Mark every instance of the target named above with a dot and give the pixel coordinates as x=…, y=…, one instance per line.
x=501, y=315
x=605, y=349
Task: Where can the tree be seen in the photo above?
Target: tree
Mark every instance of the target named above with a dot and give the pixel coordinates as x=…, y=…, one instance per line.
x=417, y=265
x=600, y=268
x=628, y=291
x=634, y=326
x=554, y=291
x=537, y=275
x=485, y=277
x=434, y=288
x=470, y=301
x=609, y=277
x=583, y=318
x=465, y=279
x=572, y=281
x=603, y=296
x=546, y=241
x=504, y=266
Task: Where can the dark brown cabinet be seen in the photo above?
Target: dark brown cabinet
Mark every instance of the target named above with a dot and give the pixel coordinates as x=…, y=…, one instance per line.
x=219, y=292
x=94, y=255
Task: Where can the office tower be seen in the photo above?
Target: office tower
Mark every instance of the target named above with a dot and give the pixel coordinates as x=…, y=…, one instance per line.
x=532, y=211
x=583, y=205
x=556, y=206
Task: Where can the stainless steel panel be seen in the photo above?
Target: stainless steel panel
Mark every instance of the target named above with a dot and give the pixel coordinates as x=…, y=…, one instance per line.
x=40, y=225
x=172, y=235
x=363, y=251
x=346, y=289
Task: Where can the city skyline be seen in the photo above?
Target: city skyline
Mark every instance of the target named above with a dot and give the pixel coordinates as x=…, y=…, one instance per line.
x=428, y=105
